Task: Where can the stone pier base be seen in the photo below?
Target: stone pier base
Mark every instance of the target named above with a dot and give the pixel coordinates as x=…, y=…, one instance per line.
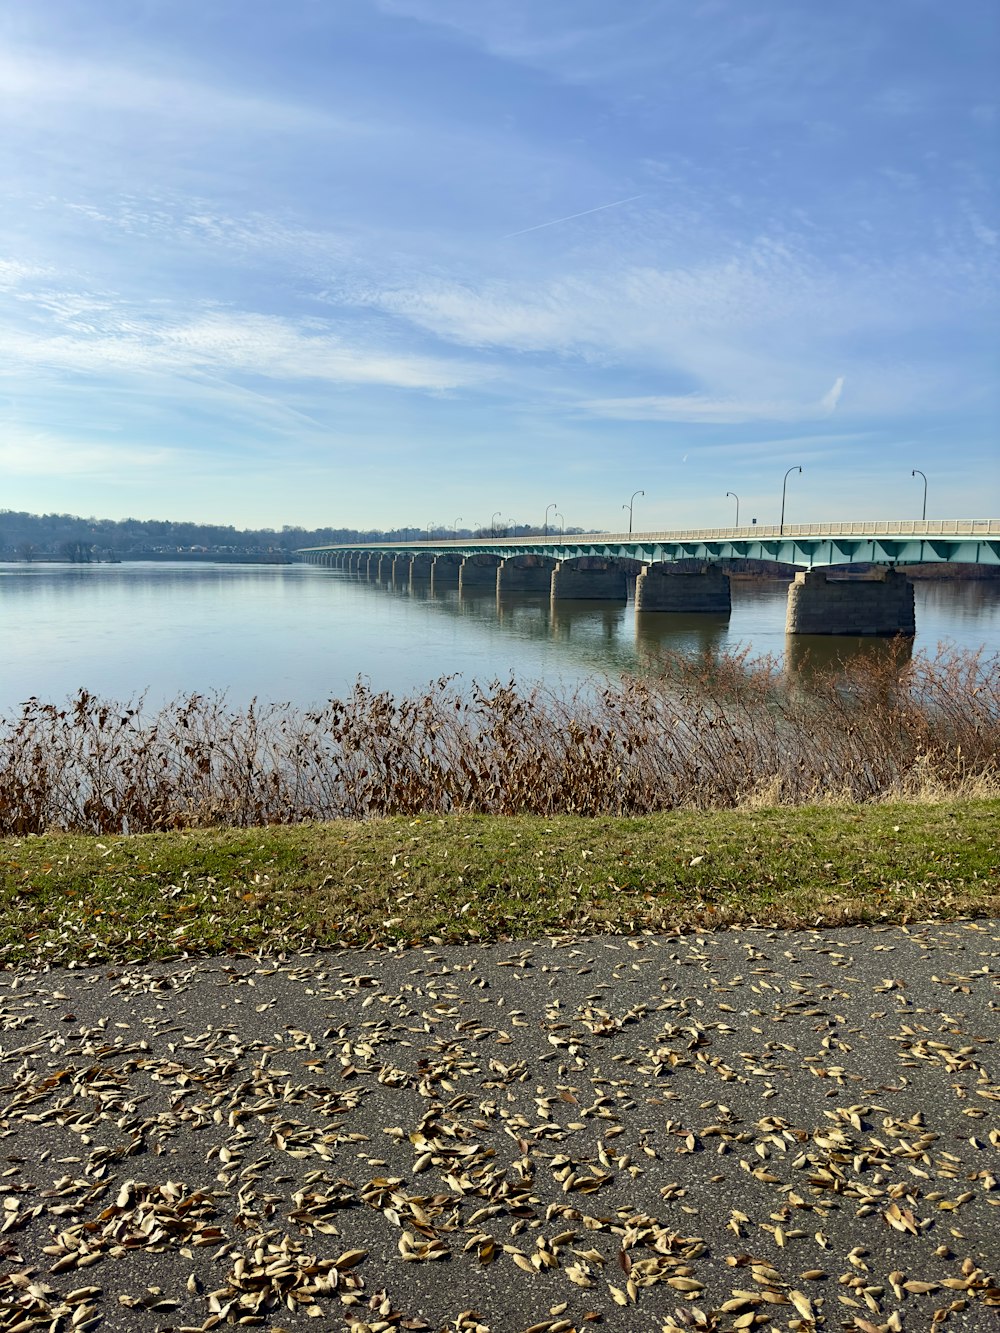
x=604, y=585
x=818, y=604
x=420, y=570
x=513, y=577
x=478, y=574
x=444, y=574
x=705, y=590
x=383, y=571
x=401, y=571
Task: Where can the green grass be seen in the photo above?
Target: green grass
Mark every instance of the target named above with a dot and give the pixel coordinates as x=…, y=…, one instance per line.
x=398, y=881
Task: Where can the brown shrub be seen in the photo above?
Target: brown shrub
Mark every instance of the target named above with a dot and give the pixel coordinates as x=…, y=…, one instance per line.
x=717, y=733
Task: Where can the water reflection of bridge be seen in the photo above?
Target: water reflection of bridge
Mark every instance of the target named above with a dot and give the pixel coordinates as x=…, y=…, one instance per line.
x=582, y=620
x=614, y=638
x=813, y=654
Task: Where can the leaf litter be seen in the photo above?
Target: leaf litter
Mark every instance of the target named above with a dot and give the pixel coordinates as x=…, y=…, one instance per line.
x=740, y=1130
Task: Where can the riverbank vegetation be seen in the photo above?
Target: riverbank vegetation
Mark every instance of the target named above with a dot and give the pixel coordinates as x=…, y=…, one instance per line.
x=720, y=734
x=67, y=537
x=392, y=882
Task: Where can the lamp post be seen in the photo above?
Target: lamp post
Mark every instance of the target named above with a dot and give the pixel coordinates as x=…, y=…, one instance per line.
x=629, y=508
x=917, y=473
x=562, y=523
x=493, y=523
x=454, y=527
x=737, y=499
x=429, y=527
x=781, y=526
x=553, y=505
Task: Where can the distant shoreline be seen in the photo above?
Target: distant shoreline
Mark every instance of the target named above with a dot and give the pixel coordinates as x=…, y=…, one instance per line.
x=933, y=572
x=192, y=558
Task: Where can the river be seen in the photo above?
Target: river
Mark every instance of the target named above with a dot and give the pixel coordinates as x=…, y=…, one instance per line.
x=301, y=634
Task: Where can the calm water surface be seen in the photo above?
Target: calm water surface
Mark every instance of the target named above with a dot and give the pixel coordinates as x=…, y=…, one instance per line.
x=303, y=634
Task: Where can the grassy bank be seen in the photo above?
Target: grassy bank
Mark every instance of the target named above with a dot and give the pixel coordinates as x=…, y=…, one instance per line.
x=469, y=877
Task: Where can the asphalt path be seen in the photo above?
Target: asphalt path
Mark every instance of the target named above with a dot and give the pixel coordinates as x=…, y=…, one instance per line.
x=745, y=1129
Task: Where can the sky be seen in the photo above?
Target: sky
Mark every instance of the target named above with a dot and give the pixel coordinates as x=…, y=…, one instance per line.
x=408, y=262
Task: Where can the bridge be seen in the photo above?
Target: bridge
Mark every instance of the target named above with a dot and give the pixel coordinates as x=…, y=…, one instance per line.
x=684, y=571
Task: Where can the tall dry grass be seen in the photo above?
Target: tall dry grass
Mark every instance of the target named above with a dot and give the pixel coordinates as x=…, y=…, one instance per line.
x=724, y=733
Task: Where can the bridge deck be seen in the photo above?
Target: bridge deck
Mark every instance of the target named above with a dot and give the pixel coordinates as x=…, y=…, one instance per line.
x=971, y=540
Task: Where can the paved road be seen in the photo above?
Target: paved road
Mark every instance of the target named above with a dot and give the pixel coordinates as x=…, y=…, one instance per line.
x=745, y=1129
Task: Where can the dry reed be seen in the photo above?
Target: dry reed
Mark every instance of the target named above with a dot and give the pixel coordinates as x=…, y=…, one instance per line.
x=709, y=734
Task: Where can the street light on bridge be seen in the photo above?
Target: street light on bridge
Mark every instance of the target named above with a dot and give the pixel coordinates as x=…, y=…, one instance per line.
x=629, y=508
x=917, y=473
x=493, y=523
x=781, y=526
x=553, y=505
x=454, y=527
x=562, y=522
x=737, y=499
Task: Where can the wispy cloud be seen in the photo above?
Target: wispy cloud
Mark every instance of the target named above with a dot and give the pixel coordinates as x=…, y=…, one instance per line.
x=13, y=273
x=731, y=339
x=34, y=79
x=699, y=409
x=268, y=347
x=831, y=398
x=36, y=453
x=348, y=222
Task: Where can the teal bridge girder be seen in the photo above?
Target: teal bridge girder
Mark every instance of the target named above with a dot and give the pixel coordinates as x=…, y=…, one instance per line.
x=974, y=541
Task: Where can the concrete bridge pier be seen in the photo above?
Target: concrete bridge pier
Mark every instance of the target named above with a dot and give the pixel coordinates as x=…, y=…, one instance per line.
x=882, y=605
x=478, y=573
x=401, y=570
x=383, y=570
x=444, y=572
x=606, y=582
x=420, y=570
x=525, y=573
x=665, y=588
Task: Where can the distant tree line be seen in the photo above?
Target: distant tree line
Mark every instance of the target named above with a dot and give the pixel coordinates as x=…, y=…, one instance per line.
x=85, y=540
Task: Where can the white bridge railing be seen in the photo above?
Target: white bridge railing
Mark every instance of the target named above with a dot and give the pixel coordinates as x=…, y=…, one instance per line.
x=946, y=528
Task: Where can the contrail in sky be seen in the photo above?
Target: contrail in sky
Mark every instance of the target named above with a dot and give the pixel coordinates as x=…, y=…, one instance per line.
x=570, y=216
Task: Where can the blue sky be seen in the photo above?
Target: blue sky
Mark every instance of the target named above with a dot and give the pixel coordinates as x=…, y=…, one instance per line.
x=375, y=262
